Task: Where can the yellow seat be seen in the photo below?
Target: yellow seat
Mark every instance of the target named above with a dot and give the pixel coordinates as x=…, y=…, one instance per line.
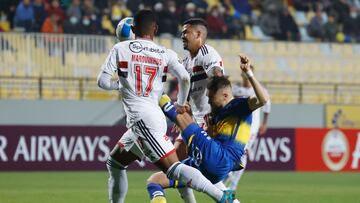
x=249, y=34
x=100, y=95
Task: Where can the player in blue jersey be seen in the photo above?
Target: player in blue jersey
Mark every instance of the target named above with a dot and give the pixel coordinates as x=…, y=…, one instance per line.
x=220, y=150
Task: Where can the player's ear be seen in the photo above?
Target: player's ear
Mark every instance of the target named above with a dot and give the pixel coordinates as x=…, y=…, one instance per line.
x=198, y=34
x=156, y=28
x=133, y=29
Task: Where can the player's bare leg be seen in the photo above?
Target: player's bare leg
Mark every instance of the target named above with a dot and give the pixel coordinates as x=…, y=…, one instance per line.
x=180, y=147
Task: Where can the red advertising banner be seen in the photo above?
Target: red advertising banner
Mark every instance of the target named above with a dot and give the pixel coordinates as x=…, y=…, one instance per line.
x=327, y=150
x=48, y=148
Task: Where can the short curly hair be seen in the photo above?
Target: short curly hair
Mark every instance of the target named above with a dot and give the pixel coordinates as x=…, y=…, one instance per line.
x=218, y=82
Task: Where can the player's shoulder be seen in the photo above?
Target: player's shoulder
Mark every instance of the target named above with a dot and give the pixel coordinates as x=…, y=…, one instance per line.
x=121, y=45
x=170, y=52
x=207, y=50
x=237, y=103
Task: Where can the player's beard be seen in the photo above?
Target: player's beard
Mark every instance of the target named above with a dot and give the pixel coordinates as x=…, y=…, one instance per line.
x=214, y=109
x=185, y=45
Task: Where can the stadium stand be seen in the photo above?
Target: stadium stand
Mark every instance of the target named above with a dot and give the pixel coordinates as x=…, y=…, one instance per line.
x=64, y=66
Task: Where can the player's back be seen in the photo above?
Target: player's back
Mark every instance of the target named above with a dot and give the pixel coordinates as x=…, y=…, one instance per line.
x=141, y=64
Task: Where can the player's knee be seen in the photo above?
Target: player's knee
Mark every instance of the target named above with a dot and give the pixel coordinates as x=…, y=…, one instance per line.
x=154, y=178
x=181, y=149
x=158, y=178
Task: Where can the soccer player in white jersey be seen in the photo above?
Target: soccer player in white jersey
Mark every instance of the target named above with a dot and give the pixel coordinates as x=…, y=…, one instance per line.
x=140, y=65
x=246, y=90
x=202, y=62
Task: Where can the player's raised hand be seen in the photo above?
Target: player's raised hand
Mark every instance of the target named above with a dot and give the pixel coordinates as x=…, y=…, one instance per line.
x=244, y=63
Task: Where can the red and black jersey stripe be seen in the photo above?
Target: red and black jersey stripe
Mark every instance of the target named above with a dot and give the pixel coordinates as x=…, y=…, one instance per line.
x=122, y=65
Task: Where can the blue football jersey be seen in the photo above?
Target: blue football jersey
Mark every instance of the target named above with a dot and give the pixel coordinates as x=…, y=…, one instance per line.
x=215, y=157
x=231, y=126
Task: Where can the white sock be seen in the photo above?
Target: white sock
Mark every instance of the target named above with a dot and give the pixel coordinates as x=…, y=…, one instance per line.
x=193, y=177
x=221, y=185
x=118, y=183
x=236, y=176
x=187, y=194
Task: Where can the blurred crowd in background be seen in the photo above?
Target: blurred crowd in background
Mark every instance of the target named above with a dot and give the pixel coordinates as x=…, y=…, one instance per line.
x=289, y=20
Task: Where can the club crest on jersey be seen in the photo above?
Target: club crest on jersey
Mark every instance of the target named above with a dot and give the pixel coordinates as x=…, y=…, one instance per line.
x=197, y=156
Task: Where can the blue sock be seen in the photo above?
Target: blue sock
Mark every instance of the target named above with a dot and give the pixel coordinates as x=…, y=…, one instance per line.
x=168, y=107
x=154, y=190
x=176, y=184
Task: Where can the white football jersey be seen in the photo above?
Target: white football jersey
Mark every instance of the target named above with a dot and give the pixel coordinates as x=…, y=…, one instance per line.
x=240, y=91
x=200, y=68
x=141, y=66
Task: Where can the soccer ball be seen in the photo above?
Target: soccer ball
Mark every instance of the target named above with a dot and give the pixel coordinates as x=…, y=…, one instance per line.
x=123, y=29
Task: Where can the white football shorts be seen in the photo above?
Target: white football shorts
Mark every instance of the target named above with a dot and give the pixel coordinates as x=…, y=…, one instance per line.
x=147, y=138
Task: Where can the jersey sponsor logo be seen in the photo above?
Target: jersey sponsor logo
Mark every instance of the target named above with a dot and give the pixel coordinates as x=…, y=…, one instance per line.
x=335, y=150
x=137, y=47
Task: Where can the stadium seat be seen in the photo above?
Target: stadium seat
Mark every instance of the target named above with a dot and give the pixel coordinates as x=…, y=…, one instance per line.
x=304, y=35
x=258, y=34
x=166, y=42
x=100, y=95
x=342, y=49
x=300, y=18
x=249, y=33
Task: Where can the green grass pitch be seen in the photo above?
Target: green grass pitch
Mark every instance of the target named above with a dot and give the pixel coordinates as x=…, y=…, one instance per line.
x=262, y=187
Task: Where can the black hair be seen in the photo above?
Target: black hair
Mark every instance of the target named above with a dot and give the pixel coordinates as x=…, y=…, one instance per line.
x=143, y=20
x=218, y=82
x=196, y=21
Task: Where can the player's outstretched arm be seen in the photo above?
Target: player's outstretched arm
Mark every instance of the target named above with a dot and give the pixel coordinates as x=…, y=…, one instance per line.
x=183, y=120
x=179, y=71
x=261, y=95
x=105, y=82
x=109, y=67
